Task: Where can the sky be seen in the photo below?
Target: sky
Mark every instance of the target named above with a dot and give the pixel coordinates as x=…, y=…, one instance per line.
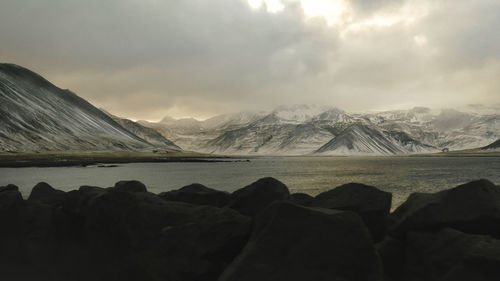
x=145, y=59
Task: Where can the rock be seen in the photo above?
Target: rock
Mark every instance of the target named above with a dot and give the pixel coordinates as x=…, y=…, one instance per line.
x=372, y=204
x=10, y=200
x=130, y=186
x=472, y=208
x=45, y=193
x=252, y=199
x=9, y=187
x=292, y=242
x=301, y=199
x=24, y=237
x=451, y=255
x=197, y=194
x=392, y=254
x=139, y=236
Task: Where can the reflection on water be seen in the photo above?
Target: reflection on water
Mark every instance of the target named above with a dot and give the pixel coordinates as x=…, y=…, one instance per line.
x=312, y=175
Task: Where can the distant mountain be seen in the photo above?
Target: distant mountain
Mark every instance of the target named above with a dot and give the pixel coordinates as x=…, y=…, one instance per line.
x=360, y=139
x=37, y=116
x=494, y=145
x=148, y=134
x=304, y=129
x=366, y=139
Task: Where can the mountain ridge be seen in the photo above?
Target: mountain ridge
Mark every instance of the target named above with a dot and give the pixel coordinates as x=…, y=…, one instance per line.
x=37, y=116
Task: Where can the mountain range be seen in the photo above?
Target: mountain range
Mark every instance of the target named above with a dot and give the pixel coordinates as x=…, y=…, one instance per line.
x=37, y=116
x=320, y=130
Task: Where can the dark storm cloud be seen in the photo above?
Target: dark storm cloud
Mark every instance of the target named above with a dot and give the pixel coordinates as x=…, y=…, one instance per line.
x=143, y=59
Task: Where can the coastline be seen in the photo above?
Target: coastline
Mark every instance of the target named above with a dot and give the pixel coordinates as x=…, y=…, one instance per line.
x=23, y=160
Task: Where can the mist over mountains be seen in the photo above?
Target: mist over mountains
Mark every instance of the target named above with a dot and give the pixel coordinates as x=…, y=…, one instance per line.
x=322, y=130
x=36, y=116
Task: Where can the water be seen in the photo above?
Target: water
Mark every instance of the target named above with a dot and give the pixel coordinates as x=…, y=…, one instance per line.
x=312, y=175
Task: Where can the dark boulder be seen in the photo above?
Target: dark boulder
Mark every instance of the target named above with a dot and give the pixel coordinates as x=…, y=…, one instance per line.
x=472, y=208
x=9, y=187
x=11, y=201
x=292, y=242
x=45, y=193
x=451, y=255
x=25, y=237
x=392, y=254
x=197, y=194
x=372, y=204
x=252, y=199
x=139, y=236
x=301, y=199
x=130, y=186
x=11, y=207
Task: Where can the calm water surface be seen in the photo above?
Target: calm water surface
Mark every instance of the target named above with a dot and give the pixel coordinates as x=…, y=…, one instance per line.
x=312, y=175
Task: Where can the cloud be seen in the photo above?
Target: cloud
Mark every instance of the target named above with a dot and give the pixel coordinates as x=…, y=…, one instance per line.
x=144, y=59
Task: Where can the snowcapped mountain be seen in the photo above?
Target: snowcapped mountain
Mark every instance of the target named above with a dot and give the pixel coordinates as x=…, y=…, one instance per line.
x=303, y=129
x=36, y=116
x=495, y=145
x=360, y=139
x=150, y=135
x=366, y=139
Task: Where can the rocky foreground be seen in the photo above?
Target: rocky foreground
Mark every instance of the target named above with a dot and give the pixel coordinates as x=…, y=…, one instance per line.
x=257, y=233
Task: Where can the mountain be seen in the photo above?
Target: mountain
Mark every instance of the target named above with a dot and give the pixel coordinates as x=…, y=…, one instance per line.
x=495, y=145
x=366, y=139
x=37, y=116
x=148, y=134
x=304, y=129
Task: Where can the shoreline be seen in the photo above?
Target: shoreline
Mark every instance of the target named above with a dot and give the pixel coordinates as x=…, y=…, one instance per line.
x=24, y=160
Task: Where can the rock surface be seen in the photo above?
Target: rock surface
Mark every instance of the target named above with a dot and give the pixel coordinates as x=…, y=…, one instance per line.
x=451, y=255
x=130, y=186
x=291, y=242
x=252, y=199
x=302, y=199
x=197, y=194
x=126, y=233
x=119, y=233
x=45, y=193
x=372, y=204
x=472, y=208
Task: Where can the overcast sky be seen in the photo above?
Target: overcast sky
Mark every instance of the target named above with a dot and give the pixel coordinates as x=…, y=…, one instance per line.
x=144, y=59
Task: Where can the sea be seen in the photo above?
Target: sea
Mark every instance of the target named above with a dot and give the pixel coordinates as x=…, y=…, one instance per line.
x=312, y=175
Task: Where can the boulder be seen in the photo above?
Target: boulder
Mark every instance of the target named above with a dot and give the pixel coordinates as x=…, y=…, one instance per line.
x=292, y=242
x=472, y=208
x=45, y=193
x=9, y=187
x=130, y=186
x=392, y=254
x=197, y=194
x=139, y=236
x=301, y=199
x=372, y=204
x=252, y=199
x=11, y=201
x=451, y=255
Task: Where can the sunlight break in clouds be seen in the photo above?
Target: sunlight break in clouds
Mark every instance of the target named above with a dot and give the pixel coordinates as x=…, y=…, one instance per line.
x=147, y=59
x=333, y=11
x=272, y=6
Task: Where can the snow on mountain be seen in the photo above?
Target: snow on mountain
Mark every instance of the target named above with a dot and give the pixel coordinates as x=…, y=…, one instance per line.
x=297, y=113
x=303, y=129
x=36, y=116
x=150, y=135
x=494, y=145
x=270, y=139
x=365, y=139
x=360, y=139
